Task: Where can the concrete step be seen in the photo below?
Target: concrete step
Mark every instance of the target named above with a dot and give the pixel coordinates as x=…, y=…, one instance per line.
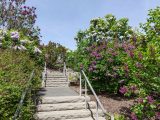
x=57, y=82
x=64, y=106
x=88, y=118
x=52, y=80
x=54, y=86
x=64, y=99
x=56, y=77
x=55, y=73
x=69, y=114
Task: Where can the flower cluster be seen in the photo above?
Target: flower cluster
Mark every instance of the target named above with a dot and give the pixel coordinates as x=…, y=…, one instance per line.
x=17, y=43
x=145, y=108
x=92, y=67
x=123, y=90
x=128, y=90
x=15, y=35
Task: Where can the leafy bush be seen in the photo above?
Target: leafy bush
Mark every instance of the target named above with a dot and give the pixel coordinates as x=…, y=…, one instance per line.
x=55, y=55
x=16, y=67
x=12, y=39
x=16, y=15
x=121, y=60
x=145, y=108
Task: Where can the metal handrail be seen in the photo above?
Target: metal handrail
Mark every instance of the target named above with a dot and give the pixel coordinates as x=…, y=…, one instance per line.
x=44, y=75
x=98, y=102
x=18, y=110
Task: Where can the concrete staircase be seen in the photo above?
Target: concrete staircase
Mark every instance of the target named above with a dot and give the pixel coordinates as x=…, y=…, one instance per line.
x=64, y=107
x=67, y=108
x=56, y=79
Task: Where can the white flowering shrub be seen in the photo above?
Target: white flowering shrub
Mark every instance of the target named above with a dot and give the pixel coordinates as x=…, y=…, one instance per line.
x=15, y=40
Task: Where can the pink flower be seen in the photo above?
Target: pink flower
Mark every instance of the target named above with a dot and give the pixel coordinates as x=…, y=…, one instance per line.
x=131, y=47
x=133, y=88
x=94, y=53
x=158, y=115
x=131, y=54
x=94, y=62
x=114, y=53
x=140, y=100
x=150, y=99
x=123, y=90
x=90, y=69
x=133, y=116
x=140, y=56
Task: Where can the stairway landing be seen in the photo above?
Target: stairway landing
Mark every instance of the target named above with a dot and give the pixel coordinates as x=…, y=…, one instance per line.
x=57, y=91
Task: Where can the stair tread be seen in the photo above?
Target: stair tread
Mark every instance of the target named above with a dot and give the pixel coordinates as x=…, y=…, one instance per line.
x=88, y=118
x=64, y=106
x=57, y=82
x=68, y=114
x=64, y=99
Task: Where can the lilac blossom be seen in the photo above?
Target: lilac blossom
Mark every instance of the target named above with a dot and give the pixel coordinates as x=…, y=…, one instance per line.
x=15, y=35
x=140, y=56
x=98, y=57
x=94, y=53
x=94, y=67
x=131, y=54
x=150, y=99
x=123, y=90
x=17, y=48
x=140, y=100
x=133, y=116
x=94, y=62
x=90, y=69
x=24, y=41
x=23, y=47
x=37, y=50
x=158, y=115
x=133, y=88
x=131, y=47
x=114, y=53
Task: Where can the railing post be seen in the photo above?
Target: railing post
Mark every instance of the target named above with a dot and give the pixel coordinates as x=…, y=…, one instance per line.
x=85, y=94
x=45, y=69
x=112, y=117
x=96, y=110
x=80, y=89
x=64, y=69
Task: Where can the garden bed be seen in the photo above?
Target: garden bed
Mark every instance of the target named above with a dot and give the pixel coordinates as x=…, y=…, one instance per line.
x=112, y=103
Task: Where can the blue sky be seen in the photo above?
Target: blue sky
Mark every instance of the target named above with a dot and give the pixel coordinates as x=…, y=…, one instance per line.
x=60, y=20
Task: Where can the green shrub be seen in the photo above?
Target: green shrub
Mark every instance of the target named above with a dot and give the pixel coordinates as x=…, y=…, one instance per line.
x=16, y=67
x=55, y=55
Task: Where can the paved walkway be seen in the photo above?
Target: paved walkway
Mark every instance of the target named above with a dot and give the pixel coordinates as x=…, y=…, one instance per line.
x=57, y=91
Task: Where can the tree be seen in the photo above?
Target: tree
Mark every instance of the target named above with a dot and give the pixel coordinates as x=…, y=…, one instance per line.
x=15, y=15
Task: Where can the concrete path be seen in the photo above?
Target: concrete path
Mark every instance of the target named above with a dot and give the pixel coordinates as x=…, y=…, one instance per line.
x=57, y=91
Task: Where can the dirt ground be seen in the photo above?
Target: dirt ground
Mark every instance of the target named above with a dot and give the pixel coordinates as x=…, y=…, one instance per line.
x=112, y=103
